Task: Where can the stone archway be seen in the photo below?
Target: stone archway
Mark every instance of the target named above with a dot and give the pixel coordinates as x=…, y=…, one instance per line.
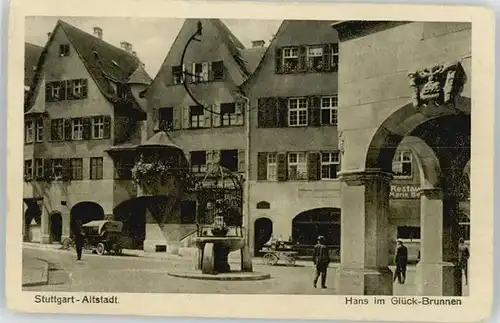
x=56, y=223
x=84, y=212
x=263, y=231
x=446, y=130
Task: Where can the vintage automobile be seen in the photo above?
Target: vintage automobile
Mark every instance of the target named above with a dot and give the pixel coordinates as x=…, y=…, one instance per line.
x=100, y=237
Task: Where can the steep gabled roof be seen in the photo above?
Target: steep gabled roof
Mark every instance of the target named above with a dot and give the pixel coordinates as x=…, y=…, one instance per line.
x=32, y=53
x=234, y=46
x=253, y=57
x=140, y=76
x=105, y=63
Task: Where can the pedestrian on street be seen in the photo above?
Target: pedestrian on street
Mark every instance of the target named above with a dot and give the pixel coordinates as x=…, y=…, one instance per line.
x=463, y=258
x=401, y=262
x=79, y=242
x=321, y=259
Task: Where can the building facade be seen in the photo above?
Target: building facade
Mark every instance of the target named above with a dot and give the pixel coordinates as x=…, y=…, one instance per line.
x=215, y=132
x=82, y=102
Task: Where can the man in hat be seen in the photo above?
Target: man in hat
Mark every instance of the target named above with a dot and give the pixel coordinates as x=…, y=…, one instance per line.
x=321, y=259
x=463, y=258
x=401, y=262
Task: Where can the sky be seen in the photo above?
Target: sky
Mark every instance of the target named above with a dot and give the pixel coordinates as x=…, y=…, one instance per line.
x=151, y=38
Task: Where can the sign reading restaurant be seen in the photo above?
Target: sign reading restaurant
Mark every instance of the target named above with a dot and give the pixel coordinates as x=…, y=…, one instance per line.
x=404, y=191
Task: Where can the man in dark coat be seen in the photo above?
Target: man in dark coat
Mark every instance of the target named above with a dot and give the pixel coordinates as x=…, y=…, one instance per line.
x=321, y=259
x=463, y=258
x=79, y=242
x=401, y=262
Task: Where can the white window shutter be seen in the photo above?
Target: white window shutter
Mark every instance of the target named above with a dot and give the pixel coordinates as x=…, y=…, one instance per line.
x=241, y=161
x=193, y=76
x=216, y=115
x=177, y=117
x=208, y=116
x=204, y=72
x=185, y=117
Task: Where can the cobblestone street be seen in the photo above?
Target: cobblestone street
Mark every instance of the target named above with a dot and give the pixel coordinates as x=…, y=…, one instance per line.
x=130, y=273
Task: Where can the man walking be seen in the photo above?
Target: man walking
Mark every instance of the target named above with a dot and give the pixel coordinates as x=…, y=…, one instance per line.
x=321, y=259
x=463, y=258
x=401, y=262
x=79, y=242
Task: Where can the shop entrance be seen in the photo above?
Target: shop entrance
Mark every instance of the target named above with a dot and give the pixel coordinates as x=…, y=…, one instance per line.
x=263, y=230
x=309, y=225
x=55, y=227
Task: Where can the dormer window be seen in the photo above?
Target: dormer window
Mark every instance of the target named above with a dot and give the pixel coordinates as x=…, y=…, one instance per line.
x=290, y=59
x=64, y=50
x=315, y=58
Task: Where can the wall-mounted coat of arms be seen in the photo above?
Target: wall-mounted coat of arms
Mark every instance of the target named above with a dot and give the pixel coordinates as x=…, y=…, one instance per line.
x=437, y=85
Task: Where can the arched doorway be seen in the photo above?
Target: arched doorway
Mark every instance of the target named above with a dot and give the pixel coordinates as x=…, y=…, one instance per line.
x=263, y=230
x=309, y=225
x=132, y=213
x=85, y=212
x=33, y=220
x=446, y=130
x=55, y=226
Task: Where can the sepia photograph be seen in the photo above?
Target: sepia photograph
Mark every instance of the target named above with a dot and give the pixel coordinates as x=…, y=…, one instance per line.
x=217, y=155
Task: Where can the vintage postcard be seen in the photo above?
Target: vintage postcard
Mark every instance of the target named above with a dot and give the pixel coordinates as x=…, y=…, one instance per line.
x=250, y=160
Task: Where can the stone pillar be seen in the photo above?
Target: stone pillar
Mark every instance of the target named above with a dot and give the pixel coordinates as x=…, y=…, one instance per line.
x=246, y=258
x=364, y=240
x=66, y=224
x=45, y=223
x=433, y=274
x=154, y=234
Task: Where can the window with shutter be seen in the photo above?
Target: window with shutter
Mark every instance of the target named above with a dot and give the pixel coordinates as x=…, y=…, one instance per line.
x=198, y=161
x=28, y=131
x=97, y=127
x=297, y=166
x=57, y=168
x=76, y=167
x=229, y=159
x=330, y=165
x=313, y=166
x=218, y=70
x=281, y=167
x=196, y=116
x=76, y=129
x=278, y=61
x=177, y=74
x=315, y=110
x=165, y=119
x=107, y=127
x=267, y=112
x=272, y=167
x=291, y=59
x=57, y=129
x=96, y=168
x=228, y=113
x=262, y=166
x=329, y=110
x=39, y=130
x=297, y=112
x=39, y=169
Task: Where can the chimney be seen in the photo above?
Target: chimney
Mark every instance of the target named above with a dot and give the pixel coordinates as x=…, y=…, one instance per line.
x=126, y=46
x=49, y=34
x=258, y=43
x=98, y=32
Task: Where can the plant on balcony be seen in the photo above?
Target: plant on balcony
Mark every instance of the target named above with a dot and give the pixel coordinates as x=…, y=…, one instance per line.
x=148, y=172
